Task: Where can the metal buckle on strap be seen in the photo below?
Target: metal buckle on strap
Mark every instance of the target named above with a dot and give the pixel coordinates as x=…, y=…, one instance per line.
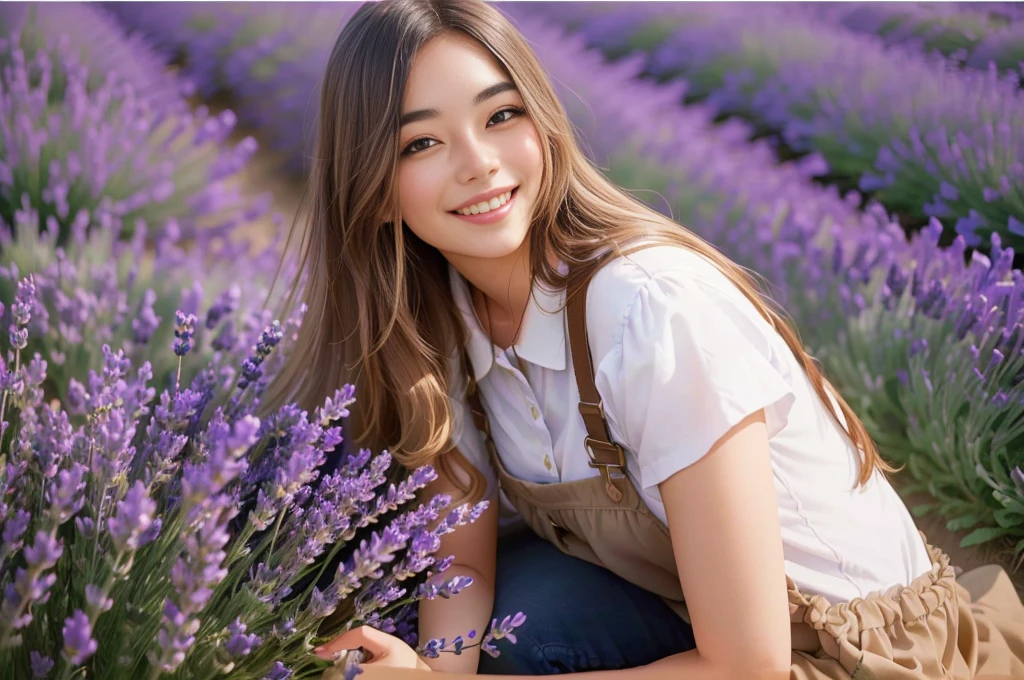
x=589, y=442
x=596, y=409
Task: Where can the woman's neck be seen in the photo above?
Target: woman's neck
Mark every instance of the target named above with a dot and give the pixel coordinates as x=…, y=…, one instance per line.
x=503, y=282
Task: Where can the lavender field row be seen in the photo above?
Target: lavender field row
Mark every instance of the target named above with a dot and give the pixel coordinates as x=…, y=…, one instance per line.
x=971, y=35
x=923, y=136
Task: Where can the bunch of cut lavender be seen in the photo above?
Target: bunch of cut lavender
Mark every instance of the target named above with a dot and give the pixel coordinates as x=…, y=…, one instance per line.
x=178, y=534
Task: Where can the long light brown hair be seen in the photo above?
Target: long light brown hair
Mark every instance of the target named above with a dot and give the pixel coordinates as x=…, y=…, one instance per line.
x=380, y=313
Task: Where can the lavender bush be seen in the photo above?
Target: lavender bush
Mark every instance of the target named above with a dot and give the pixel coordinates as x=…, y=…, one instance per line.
x=926, y=348
x=1004, y=48
x=87, y=126
x=177, y=534
x=77, y=189
x=954, y=31
x=928, y=139
x=268, y=56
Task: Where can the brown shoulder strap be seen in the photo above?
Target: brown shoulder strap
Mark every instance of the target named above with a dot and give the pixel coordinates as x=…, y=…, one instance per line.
x=604, y=453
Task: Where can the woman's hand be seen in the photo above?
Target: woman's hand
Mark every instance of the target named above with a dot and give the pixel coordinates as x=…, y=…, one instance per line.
x=383, y=650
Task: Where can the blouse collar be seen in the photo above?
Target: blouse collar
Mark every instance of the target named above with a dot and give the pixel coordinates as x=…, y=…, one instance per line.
x=541, y=339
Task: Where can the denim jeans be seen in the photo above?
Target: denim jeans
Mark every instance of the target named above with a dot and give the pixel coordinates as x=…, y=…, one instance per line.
x=579, y=616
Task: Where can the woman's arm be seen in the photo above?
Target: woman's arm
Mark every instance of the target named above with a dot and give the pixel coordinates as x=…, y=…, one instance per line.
x=475, y=549
x=724, y=521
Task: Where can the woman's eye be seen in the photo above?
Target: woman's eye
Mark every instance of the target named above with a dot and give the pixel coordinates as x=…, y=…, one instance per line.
x=512, y=110
x=412, y=147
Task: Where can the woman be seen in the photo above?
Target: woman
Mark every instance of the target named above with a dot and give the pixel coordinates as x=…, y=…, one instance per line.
x=664, y=434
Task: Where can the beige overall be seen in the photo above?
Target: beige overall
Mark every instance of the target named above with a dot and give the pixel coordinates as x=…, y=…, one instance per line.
x=934, y=627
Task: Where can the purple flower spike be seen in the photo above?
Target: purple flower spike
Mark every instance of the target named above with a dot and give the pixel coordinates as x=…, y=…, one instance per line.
x=352, y=668
x=278, y=672
x=96, y=599
x=269, y=338
x=225, y=304
x=239, y=644
x=41, y=665
x=147, y=321
x=45, y=552
x=78, y=642
x=21, y=313
x=133, y=519
x=184, y=328
x=501, y=631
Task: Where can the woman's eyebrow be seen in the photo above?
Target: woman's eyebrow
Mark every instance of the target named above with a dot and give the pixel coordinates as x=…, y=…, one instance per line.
x=424, y=114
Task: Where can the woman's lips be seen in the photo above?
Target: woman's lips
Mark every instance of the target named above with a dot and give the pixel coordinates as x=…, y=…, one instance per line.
x=491, y=215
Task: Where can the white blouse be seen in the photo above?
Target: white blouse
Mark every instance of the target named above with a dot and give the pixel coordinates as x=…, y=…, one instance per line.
x=681, y=357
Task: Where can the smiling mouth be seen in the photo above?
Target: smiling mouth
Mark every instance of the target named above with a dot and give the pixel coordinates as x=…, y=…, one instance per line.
x=512, y=195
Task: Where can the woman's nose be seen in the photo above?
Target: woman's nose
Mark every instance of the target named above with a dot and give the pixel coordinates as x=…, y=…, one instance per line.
x=476, y=160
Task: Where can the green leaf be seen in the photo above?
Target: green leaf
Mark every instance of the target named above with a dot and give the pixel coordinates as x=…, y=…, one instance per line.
x=983, y=535
x=965, y=522
x=1008, y=518
x=923, y=509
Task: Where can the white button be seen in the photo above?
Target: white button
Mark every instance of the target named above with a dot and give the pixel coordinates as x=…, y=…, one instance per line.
x=534, y=412
x=547, y=461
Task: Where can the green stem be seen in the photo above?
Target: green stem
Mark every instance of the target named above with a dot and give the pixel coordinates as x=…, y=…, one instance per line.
x=3, y=403
x=6, y=630
x=277, y=527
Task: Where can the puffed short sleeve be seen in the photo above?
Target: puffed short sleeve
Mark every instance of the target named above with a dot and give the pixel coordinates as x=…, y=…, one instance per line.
x=465, y=436
x=691, y=360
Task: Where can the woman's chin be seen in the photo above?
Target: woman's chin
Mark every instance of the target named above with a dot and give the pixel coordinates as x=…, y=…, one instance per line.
x=492, y=244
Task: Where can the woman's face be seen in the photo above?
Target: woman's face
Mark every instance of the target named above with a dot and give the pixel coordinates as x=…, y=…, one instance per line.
x=464, y=138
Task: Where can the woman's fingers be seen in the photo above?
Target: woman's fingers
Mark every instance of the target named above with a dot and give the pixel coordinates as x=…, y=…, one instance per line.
x=367, y=637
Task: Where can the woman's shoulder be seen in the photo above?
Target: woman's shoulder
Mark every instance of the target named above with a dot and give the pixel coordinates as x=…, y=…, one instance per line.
x=656, y=261
x=674, y=269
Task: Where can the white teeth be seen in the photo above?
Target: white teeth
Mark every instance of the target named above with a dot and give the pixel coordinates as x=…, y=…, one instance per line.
x=487, y=206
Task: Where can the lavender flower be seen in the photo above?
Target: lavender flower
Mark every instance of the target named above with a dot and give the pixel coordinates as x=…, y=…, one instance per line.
x=147, y=322
x=138, y=108
x=21, y=313
x=278, y=672
x=499, y=631
x=225, y=304
x=251, y=371
x=193, y=577
x=79, y=644
x=239, y=644
x=184, y=327
x=41, y=665
x=133, y=520
x=178, y=485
